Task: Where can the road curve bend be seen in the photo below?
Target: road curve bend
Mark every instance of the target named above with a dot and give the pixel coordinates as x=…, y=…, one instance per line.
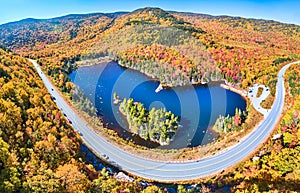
x=170, y=171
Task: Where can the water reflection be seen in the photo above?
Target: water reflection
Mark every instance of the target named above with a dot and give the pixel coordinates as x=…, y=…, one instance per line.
x=197, y=106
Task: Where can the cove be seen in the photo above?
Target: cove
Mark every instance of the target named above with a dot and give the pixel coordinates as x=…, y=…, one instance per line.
x=197, y=106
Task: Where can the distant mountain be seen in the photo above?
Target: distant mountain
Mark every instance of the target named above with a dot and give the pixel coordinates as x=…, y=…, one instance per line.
x=70, y=17
x=29, y=32
x=234, y=21
x=26, y=34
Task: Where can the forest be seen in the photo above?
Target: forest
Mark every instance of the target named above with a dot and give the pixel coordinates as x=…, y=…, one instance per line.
x=275, y=166
x=38, y=147
x=248, y=50
x=39, y=150
x=157, y=125
x=226, y=124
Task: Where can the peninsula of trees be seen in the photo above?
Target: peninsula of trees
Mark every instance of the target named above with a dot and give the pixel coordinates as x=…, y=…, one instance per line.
x=226, y=124
x=157, y=125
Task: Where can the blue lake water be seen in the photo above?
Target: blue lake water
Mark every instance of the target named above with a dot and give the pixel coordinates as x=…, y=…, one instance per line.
x=197, y=106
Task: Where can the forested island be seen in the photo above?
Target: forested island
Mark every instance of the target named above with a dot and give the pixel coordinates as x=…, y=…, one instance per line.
x=157, y=125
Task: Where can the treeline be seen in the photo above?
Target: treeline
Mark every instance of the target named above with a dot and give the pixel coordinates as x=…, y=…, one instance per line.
x=247, y=51
x=166, y=75
x=157, y=125
x=168, y=65
x=156, y=65
x=227, y=124
x=294, y=80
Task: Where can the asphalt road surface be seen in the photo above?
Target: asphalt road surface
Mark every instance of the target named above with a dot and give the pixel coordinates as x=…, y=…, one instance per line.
x=175, y=171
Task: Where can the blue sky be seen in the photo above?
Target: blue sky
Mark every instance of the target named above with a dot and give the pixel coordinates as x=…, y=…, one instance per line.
x=287, y=11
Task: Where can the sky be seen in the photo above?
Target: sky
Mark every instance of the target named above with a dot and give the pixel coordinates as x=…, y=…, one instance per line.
x=287, y=11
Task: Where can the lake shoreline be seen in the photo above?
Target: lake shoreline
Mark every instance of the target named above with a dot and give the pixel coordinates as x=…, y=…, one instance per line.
x=92, y=62
x=229, y=86
x=201, y=90
x=222, y=83
x=174, y=155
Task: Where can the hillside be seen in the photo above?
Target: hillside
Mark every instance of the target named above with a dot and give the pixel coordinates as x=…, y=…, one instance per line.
x=228, y=45
x=121, y=33
x=36, y=141
x=248, y=50
x=40, y=151
x=29, y=33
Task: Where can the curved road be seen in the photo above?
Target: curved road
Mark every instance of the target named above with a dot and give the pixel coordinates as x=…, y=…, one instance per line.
x=171, y=171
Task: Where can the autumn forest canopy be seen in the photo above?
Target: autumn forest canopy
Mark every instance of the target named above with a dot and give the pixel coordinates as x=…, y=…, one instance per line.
x=40, y=151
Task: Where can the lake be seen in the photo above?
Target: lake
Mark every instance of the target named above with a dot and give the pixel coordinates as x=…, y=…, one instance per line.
x=198, y=107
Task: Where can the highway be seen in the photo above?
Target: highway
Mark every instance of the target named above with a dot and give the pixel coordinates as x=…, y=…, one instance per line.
x=175, y=171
